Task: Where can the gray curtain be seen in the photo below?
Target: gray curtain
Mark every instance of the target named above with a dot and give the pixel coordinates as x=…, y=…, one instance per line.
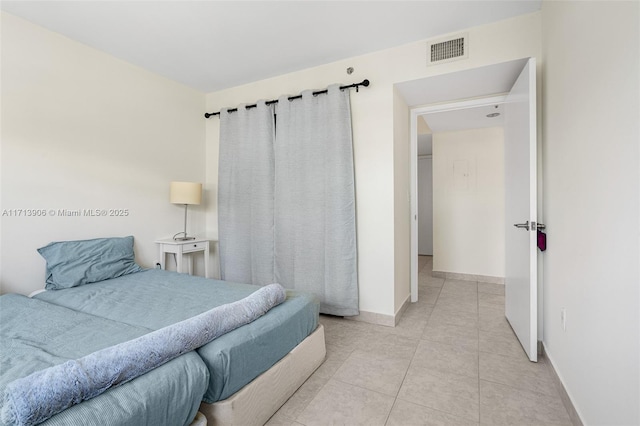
x=315, y=234
x=246, y=196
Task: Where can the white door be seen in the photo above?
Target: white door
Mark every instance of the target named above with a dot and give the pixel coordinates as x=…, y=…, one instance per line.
x=521, y=291
x=425, y=206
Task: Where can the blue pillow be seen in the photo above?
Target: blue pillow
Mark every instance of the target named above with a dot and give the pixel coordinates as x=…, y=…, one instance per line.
x=74, y=263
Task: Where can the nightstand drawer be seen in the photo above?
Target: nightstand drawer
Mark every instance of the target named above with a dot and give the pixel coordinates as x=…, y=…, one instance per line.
x=188, y=247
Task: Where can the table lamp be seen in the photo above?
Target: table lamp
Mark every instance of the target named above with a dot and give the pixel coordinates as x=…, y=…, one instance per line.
x=185, y=193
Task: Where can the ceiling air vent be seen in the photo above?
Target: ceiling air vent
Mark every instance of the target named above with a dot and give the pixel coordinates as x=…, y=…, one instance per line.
x=447, y=50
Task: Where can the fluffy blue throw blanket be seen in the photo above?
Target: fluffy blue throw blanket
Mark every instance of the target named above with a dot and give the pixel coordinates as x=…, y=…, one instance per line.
x=42, y=394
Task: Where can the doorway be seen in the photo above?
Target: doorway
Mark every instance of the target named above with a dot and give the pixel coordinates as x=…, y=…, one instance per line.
x=468, y=193
x=478, y=85
x=425, y=195
x=461, y=111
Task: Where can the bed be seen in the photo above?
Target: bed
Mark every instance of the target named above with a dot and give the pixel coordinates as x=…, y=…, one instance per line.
x=35, y=335
x=252, y=370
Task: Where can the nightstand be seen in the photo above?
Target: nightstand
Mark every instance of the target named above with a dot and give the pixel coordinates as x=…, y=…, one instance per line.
x=180, y=248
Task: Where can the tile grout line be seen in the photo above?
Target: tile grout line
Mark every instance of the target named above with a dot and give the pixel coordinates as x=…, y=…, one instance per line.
x=478, y=331
x=319, y=390
x=395, y=399
x=311, y=400
x=495, y=382
x=453, y=345
x=370, y=390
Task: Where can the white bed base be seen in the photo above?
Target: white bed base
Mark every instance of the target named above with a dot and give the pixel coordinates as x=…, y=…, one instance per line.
x=255, y=403
x=199, y=420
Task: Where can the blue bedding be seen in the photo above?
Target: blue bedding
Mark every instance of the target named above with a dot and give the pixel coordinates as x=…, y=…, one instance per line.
x=154, y=299
x=35, y=335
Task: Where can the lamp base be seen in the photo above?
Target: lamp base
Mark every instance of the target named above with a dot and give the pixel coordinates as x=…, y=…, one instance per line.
x=183, y=238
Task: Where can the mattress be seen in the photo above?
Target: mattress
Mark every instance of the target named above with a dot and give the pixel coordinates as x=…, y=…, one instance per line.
x=35, y=335
x=155, y=298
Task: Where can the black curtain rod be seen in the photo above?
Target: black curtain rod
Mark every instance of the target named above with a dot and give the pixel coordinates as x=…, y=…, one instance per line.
x=364, y=83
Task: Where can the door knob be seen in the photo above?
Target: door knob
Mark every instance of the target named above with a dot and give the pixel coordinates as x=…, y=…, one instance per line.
x=522, y=225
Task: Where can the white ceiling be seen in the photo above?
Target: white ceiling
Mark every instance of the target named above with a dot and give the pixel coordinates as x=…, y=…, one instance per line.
x=472, y=83
x=481, y=82
x=463, y=119
x=212, y=45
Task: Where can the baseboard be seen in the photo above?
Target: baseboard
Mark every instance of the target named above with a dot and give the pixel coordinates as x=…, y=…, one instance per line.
x=400, y=311
x=374, y=318
x=564, y=396
x=467, y=277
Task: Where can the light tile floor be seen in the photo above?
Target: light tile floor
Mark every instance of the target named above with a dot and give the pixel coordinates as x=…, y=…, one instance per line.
x=452, y=360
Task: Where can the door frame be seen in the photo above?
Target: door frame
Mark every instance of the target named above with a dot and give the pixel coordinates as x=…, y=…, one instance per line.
x=415, y=113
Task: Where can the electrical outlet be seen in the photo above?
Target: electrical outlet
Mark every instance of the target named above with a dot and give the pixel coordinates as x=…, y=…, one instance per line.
x=563, y=318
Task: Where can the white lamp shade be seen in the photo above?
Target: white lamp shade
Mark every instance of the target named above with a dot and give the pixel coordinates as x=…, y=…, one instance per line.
x=185, y=193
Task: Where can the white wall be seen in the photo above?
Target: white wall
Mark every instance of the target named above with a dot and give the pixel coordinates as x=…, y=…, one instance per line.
x=380, y=193
x=83, y=130
x=591, y=206
x=132, y=132
x=402, y=201
x=468, y=202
